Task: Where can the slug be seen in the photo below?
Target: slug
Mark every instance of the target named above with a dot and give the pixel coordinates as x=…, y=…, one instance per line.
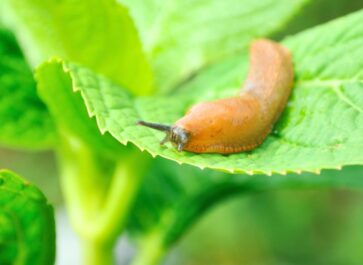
x=240, y=123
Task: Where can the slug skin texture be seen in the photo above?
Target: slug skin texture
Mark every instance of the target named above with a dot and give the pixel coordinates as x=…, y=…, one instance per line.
x=240, y=123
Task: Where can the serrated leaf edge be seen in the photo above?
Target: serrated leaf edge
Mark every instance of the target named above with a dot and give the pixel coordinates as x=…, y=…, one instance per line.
x=104, y=130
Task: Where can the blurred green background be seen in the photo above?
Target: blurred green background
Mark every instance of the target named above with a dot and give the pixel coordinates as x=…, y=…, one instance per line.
x=285, y=227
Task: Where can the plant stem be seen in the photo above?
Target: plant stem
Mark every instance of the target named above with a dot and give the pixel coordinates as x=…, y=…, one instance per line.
x=151, y=251
x=121, y=194
x=95, y=254
x=99, y=193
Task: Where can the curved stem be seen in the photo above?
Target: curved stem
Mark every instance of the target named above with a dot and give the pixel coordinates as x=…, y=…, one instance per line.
x=99, y=193
x=83, y=182
x=95, y=254
x=121, y=194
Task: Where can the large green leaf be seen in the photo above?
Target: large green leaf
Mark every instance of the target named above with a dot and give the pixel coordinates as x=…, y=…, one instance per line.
x=320, y=128
x=27, y=229
x=24, y=119
x=96, y=33
x=182, y=36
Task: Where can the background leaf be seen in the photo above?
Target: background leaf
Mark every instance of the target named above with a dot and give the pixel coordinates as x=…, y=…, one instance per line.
x=312, y=15
x=182, y=36
x=283, y=226
x=182, y=194
x=97, y=33
x=27, y=229
x=24, y=119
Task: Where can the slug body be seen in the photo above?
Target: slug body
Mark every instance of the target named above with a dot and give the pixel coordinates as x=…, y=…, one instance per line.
x=239, y=123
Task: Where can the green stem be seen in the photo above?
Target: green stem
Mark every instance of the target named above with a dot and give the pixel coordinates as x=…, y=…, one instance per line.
x=99, y=193
x=120, y=197
x=82, y=184
x=95, y=254
x=151, y=250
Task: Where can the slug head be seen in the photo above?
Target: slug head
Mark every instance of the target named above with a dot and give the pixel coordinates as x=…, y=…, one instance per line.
x=174, y=134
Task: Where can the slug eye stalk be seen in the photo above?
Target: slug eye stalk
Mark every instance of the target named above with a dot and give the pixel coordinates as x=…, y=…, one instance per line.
x=174, y=134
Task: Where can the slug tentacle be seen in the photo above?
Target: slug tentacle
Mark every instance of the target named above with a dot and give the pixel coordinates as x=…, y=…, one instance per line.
x=239, y=123
x=156, y=126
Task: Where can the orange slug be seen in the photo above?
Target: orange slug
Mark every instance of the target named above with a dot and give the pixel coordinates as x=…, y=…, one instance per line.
x=239, y=123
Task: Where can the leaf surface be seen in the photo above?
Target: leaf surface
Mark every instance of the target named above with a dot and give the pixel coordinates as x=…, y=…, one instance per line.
x=180, y=37
x=321, y=127
x=27, y=229
x=96, y=33
x=24, y=119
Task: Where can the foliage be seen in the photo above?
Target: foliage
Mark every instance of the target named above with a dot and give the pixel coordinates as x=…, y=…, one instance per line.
x=101, y=78
x=24, y=119
x=27, y=234
x=322, y=86
x=180, y=37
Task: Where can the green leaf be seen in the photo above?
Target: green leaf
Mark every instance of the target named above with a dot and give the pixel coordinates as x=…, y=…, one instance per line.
x=321, y=127
x=96, y=33
x=180, y=37
x=332, y=9
x=173, y=197
x=71, y=117
x=24, y=119
x=27, y=229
